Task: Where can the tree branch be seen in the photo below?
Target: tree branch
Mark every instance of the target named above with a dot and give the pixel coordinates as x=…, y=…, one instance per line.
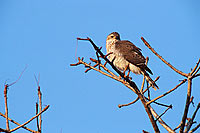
x=30, y=119
x=160, y=57
x=183, y=81
x=187, y=104
x=191, y=121
x=6, y=107
x=18, y=124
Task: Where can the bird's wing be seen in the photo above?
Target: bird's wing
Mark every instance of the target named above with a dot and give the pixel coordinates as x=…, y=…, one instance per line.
x=132, y=54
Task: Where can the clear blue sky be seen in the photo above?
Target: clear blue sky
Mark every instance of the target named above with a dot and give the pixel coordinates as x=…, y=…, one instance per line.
x=42, y=35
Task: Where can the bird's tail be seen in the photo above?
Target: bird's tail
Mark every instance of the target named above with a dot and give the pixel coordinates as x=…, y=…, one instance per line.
x=150, y=81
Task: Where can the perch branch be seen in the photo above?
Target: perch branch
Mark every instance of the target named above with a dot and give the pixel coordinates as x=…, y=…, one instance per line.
x=132, y=84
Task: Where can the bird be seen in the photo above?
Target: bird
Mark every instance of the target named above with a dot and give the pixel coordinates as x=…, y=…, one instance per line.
x=126, y=56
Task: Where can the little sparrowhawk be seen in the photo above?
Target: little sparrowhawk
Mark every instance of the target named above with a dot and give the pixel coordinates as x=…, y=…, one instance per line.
x=125, y=54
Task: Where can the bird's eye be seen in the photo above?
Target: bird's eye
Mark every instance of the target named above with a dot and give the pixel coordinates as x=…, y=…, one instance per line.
x=111, y=36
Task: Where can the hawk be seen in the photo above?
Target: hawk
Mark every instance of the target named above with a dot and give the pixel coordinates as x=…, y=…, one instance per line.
x=126, y=56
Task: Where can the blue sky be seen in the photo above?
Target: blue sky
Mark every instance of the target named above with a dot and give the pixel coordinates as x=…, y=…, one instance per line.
x=42, y=36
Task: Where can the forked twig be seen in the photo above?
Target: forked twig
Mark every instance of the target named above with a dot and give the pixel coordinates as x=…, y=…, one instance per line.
x=194, y=69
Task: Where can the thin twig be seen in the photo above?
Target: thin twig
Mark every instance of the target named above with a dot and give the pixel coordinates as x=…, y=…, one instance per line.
x=6, y=107
x=194, y=69
x=183, y=81
x=38, y=127
x=164, y=105
x=18, y=124
x=30, y=119
x=160, y=120
x=194, y=129
x=18, y=77
x=179, y=126
x=170, y=107
x=99, y=62
x=40, y=104
x=122, y=105
x=160, y=57
x=191, y=121
x=196, y=72
x=40, y=107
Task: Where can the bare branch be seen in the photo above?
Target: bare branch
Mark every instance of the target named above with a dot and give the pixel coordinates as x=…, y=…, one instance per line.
x=186, y=105
x=161, y=121
x=18, y=77
x=160, y=57
x=122, y=105
x=170, y=107
x=191, y=121
x=18, y=124
x=194, y=69
x=195, y=72
x=194, y=129
x=38, y=127
x=30, y=119
x=183, y=81
x=6, y=107
x=40, y=107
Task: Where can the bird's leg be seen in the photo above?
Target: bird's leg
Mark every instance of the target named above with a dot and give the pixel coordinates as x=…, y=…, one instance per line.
x=124, y=72
x=128, y=74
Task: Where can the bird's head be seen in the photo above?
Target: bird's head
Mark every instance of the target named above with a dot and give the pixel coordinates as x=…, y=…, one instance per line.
x=113, y=36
